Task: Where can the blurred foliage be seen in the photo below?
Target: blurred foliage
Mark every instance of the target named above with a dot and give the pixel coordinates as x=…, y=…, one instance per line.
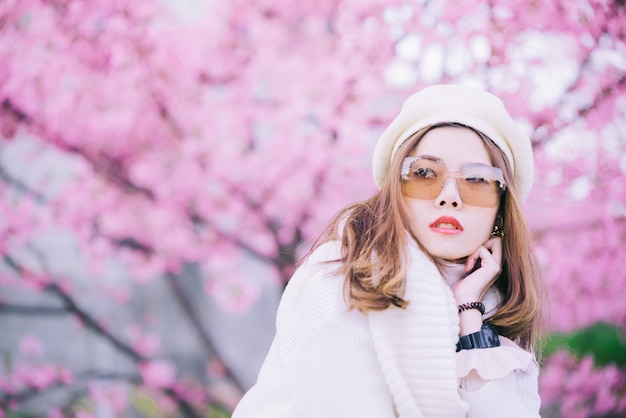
x=148, y=406
x=605, y=342
x=217, y=412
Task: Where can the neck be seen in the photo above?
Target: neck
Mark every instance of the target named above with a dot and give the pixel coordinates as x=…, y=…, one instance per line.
x=452, y=271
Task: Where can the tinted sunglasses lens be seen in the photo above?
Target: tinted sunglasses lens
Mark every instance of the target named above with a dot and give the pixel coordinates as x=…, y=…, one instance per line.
x=485, y=193
x=423, y=179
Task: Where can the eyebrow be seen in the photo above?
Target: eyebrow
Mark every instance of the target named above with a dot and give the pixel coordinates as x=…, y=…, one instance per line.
x=429, y=157
x=439, y=160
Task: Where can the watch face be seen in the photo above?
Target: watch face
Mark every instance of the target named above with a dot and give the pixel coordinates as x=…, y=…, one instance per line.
x=487, y=337
x=490, y=336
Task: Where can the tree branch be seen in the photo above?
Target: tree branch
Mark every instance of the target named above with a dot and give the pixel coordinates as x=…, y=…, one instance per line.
x=190, y=311
x=21, y=186
x=94, y=326
x=71, y=306
x=32, y=310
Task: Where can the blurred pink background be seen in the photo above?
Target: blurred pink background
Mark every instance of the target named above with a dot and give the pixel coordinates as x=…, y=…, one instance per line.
x=164, y=164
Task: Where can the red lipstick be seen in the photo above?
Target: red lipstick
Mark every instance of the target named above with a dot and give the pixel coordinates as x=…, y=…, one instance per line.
x=447, y=225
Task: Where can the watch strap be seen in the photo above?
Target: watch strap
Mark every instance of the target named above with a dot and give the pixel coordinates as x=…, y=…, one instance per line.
x=487, y=337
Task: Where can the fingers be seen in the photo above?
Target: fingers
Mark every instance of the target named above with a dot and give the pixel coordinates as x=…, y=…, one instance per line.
x=490, y=254
x=474, y=286
x=494, y=245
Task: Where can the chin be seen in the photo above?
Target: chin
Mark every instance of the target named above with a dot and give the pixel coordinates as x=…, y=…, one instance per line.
x=461, y=260
x=447, y=250
x=452, y=256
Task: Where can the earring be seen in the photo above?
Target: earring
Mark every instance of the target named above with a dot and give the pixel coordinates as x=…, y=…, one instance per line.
x=497, y=232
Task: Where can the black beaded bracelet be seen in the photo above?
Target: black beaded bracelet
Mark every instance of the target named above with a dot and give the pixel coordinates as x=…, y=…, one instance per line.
x=472, y=305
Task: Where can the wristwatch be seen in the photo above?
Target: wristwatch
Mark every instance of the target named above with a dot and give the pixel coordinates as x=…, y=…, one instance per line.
x=487, y=337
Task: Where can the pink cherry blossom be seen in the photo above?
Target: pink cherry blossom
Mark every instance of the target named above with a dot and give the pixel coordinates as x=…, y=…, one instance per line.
x=55, y=413
x=234, y=295
x=114, y=398
x=30, y=346
x=38, y=377
x=157, y=374
x=145, y=343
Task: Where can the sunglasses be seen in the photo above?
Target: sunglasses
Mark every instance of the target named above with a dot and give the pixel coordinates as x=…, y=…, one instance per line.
x=423, y=178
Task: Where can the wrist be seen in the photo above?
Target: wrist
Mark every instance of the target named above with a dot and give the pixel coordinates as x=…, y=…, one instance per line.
x=470, y=321
x=470, y=317
x=465, y=298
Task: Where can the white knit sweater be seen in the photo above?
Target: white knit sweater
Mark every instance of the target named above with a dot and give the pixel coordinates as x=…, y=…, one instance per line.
x=326, y=361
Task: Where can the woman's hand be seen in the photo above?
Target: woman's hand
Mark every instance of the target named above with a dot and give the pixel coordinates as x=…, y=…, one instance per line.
x=473, y=287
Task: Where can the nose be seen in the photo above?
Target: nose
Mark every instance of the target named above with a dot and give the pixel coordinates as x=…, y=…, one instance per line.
x=449, y=194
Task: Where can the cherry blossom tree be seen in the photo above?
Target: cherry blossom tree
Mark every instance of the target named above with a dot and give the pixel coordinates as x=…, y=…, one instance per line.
x=226, y=136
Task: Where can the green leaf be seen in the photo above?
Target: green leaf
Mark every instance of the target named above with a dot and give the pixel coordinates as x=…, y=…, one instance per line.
x=218, y=412
x=604, y=341
x=145, y=405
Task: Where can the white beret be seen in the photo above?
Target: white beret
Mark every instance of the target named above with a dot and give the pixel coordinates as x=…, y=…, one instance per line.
x=469, y=106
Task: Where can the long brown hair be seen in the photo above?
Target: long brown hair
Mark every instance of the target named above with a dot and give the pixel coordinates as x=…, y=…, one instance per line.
x=373, y=245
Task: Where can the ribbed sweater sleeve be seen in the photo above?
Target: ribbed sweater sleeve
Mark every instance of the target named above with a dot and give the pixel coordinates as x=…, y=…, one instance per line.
x=332, y=372
x=327, y=355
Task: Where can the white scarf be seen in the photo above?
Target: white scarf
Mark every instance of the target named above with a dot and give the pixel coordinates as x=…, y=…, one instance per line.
x=416, y=346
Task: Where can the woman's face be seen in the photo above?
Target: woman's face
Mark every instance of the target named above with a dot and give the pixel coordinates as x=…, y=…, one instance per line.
x=445, y=225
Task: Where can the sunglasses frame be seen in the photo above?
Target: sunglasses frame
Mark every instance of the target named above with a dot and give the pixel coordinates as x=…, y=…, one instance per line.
x=495, y=175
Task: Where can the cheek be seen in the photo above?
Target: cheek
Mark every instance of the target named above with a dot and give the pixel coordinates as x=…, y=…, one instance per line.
x=482, y=224
x=485, y=232
x=416, y=210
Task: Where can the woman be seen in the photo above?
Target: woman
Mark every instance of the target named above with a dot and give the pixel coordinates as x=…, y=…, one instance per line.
x=423, y=301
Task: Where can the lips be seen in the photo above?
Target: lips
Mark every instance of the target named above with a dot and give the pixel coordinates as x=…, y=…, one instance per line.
x=447, y=225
